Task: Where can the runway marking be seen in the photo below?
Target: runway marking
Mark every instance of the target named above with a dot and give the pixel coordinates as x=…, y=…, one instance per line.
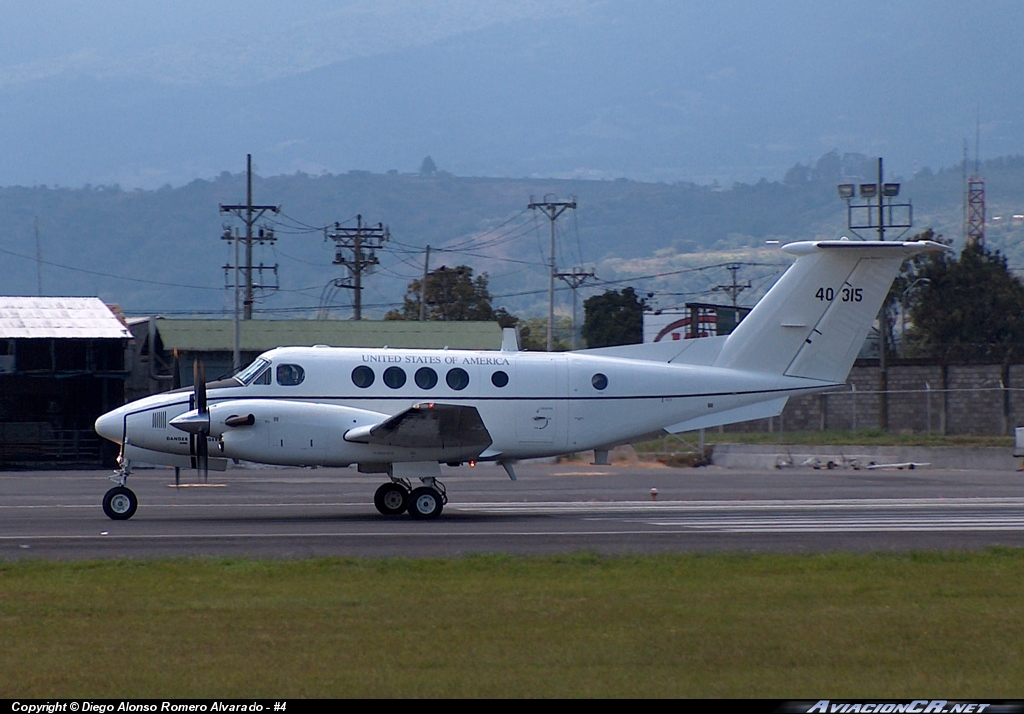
x=893, y=523
x=149, y=505
x=565, y=507
x=448, y=535
x=562, y=507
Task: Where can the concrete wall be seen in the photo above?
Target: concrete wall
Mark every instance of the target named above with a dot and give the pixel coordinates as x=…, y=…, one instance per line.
x=955, y=399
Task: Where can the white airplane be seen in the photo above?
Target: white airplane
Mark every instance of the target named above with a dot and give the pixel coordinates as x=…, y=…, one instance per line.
x=403, y=412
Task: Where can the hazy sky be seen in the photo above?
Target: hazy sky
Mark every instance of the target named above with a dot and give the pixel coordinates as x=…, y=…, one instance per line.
x=146, y=93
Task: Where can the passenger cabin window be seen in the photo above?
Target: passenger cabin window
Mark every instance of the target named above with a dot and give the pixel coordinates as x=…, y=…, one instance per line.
x=426, y=378
x=499, y=379
x=599, y=381
x=457, y=378
x=290, y=375
x=362, y=376
x=394, y=377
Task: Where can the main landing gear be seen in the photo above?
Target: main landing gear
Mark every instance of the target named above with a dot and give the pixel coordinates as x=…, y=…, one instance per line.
x=423, y=503
x=120, y=502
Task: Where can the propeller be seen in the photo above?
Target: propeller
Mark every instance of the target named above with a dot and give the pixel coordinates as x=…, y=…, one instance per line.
x=202, y=445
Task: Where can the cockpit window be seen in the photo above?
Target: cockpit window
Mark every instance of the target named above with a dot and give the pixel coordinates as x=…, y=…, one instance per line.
x=247, y=375
x=289, y=375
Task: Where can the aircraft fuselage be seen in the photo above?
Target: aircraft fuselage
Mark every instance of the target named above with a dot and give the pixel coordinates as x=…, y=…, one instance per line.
x=532, y=404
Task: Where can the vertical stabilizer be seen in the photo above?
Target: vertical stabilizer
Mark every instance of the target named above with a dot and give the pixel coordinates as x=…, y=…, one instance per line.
x=813, y=321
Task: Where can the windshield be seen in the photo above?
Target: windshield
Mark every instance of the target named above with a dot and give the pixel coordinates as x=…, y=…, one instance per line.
x=247, y=375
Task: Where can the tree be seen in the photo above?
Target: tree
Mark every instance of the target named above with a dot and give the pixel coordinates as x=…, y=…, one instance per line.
x=967, y=308
x=428, y=167
x=613, y=318
x=452, y=295
x=533, y=334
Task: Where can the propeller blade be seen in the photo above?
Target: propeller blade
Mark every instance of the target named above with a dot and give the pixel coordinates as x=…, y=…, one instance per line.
x=202, y=446
x=203, y=457
x=199, y=385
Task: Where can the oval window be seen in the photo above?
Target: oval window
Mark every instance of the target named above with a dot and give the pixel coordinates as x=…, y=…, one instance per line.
x=499, y=379
x=288, y=375
x=457, y=378
x=599, y=381
x=394, y=377
x=362, y=376
x=426, y=378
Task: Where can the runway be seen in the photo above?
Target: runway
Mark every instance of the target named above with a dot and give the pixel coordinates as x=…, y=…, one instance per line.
x=551, y=509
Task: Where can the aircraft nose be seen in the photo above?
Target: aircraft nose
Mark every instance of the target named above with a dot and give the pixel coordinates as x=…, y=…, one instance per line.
x=110, y=426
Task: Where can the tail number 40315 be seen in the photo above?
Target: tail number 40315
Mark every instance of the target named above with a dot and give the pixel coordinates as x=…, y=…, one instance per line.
x=846, y=294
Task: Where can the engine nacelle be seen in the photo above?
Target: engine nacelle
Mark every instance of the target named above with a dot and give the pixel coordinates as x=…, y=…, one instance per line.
x=288, y=432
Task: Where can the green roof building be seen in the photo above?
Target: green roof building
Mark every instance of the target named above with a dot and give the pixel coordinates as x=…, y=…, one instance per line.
x=179, y=342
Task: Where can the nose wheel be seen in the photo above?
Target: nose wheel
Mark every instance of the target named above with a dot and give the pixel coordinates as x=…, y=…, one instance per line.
x=120, y=503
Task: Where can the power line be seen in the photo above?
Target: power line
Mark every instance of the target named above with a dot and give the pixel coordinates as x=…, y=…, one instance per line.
x=109, y=275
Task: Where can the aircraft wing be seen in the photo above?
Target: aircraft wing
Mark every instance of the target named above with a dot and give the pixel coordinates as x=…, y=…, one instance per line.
x=427, y=426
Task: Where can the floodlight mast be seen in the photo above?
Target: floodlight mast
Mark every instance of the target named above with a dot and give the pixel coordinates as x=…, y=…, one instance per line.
x=884, y=192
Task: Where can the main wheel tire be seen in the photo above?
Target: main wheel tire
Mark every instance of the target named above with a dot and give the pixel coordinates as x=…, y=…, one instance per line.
x=120, y=503
x=391, y=499
x=425, y=503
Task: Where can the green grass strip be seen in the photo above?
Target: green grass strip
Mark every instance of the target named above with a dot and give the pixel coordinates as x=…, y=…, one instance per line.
x=788, y=626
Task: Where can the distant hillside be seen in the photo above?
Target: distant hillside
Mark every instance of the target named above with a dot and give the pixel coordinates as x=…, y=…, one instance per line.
x=168, y=240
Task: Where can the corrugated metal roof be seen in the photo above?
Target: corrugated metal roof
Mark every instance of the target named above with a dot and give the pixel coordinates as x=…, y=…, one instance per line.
x=261, y=335
x=67, y=317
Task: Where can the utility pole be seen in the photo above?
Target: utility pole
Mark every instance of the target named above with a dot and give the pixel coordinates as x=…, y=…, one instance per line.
x=236, y=357
x=364, y=242
x=423, y=286
x=39, y=260
x=734, y=290
x=574, y=280
x=249, y=214
x=552, y=209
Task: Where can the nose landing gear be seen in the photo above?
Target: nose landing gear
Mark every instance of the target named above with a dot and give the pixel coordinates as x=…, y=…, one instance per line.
x=120, y=502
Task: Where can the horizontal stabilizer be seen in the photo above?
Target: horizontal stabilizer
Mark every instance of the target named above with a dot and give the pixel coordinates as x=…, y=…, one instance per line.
x=427, y=426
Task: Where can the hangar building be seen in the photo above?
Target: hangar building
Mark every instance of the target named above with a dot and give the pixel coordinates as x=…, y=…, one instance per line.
x=62, y=364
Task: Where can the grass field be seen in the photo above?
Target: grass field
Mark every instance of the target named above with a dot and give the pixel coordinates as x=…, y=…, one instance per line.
x=912, y=625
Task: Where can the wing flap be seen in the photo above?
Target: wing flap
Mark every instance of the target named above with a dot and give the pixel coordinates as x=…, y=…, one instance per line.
x=427, y=426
